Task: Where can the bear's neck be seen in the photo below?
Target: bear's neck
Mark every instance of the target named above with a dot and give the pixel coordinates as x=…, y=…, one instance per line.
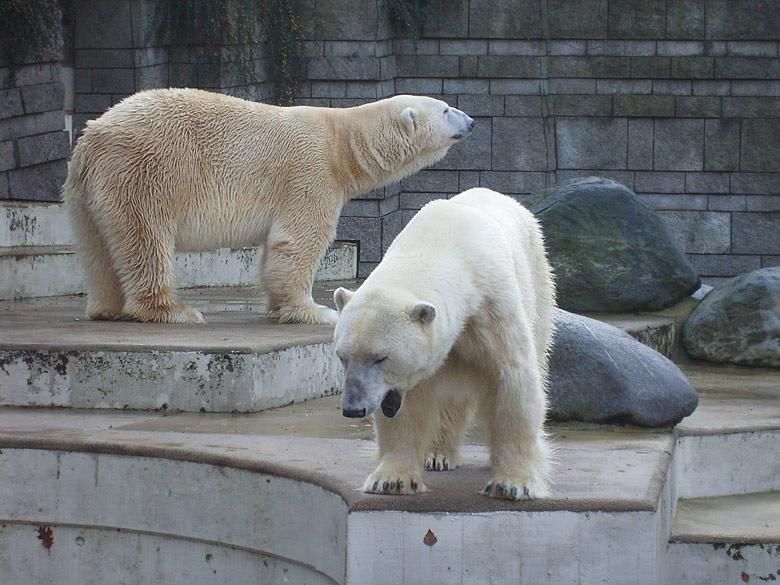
x=365, y=156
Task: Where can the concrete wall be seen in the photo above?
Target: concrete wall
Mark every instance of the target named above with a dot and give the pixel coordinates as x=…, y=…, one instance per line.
x=679, y=101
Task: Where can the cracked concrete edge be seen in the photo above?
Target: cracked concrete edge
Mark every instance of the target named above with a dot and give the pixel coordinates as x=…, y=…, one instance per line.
x=466, y=500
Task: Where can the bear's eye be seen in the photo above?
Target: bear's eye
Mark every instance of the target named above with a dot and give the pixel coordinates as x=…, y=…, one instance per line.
x=446, y=110
x=379, y=360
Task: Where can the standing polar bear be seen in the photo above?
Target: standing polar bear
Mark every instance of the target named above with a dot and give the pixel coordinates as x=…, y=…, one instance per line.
x=193, y=170
x=456, y=320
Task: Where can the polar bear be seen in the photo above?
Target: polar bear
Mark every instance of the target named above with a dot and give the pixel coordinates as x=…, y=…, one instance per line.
x=193, y=170
x=457, y=319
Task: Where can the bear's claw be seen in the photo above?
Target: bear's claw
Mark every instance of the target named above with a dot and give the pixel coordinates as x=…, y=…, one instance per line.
x=439, y=462
x=393, y=483
x=511, y=489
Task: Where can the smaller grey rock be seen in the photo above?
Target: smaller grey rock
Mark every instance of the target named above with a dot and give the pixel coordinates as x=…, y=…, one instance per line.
x=738, y=322
x=599, y=373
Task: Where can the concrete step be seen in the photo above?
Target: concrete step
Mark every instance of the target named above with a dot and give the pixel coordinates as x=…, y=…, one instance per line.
x=725, y=540
x=45, y=271
x=33, y=224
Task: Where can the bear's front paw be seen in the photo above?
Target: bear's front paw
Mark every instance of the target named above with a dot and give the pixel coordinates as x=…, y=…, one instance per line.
x=439, y=462
x=391, y=483
x=516, y=488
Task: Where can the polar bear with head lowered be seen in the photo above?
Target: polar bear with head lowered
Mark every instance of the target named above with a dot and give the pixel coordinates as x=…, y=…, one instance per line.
x=193, y=170
x=457, y=319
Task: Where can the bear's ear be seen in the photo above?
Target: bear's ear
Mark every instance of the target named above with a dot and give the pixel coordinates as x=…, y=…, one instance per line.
x=341, y=297
x=423, y=312
x=407, y=119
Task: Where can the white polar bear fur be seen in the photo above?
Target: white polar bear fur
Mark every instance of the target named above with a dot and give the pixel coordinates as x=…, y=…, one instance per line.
x=461, y=310
x=193, y=170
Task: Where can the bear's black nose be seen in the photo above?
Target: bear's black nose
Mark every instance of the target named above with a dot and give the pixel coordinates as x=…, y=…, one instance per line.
x=473, y=123
x=354, y=412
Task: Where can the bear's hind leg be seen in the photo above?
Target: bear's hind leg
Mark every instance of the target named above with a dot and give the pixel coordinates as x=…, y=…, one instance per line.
x=105, y=299
x=402, y=441
x=287, y=277
x=145, y=261
x=456, y=415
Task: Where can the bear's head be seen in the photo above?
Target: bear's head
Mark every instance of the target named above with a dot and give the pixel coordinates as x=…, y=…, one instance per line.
x=411, y=132
x=387, y=344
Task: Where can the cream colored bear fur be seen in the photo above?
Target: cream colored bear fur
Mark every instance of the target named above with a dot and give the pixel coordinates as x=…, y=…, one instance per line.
x=192, y=170
x=457, y=319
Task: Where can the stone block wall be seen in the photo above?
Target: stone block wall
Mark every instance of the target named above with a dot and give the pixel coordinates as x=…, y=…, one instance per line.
x=33, y=143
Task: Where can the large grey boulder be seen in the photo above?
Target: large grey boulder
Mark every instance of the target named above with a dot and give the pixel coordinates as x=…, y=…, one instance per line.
x=738, y=322
x=609, y=250
x=599, y=373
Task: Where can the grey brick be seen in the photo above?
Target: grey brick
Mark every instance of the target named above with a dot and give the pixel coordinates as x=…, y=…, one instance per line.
x=762, y=203
x=418, y=200
x=473, y=86
x=517, y=19
x=389, y=204
x=640, y=144
x=768, y=261
x=468, y=180
x=726, y=202
x=721, y=145
x=461, y=47
x=38, y=183
x=328, y=89
x=103, y=24
x=591, y=143
x=342, y=68
x=47, y=122
x=508, y=66
x=447, y=19
x=678, y=145
x=473, y=153
x=580, y=105
x=623, y=177
x=747, y=68
x=756, y=233
x=697, y=107
x=622, y=48
x=519, y=145
x=468, y=65
x=367, y=231
x=43, y=148
x=572, y=86
x=432, y=181
x=706, y=183
x=693, y=67
x=43, y=98
x=363, y=89
x=711, y=87
x=577, y=19
x=113, y=81
x=515, y=47
x=523, y=105
x=427, y=65
x=348, y=102
x=755, y=88
x=715, y=48
x=156, y=76
x=104, y=58
x=388, y=68
x=675, y=87
x=352, y=20
x=760, y=151
x=512, y=182
x=37, y=74
x=419, y=86
x=361, y=208
x=680, y=48
x=651, y=67
x=149, y=56
x=655, y=182
x=674, y=202
x=423, y=47
x=685, y=19
x=10, y=103
x=182, y=74
x=11, y=128
x=751, y=107
x=624, y=86
x=755, y=183
x=700, y=232
x=345, y=49
x=515, y=86
x=566, y=47
x=644, y=106
x=609, y=67
x=752, y=48
x=4, y=192
x=392, y=224
x=637, y=19
x=92, y=103
x=482, y=105
x=7, y=156
x=724, y=264
x=742, y=19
